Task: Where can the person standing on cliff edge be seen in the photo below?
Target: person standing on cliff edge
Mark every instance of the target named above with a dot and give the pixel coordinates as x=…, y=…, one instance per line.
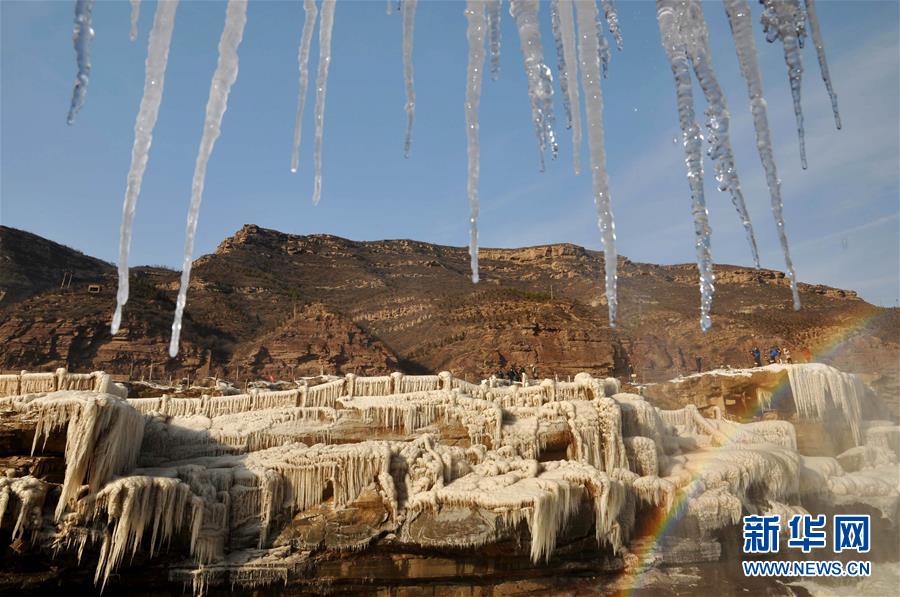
x=757, y=356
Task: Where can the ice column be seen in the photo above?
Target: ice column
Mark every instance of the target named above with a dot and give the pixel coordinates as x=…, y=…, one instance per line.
x=135, y=15
x=589, y=59
x=309, y=23
x=786, y=20
x=540, y=79
x=223, y=78
x=82, y=35
x=409, y=19
x=564, y=35
x=475, y=34
x=326, y=24
x=676, y=42
x=820, y=53
x=493, y=19
x=718, y=119
x=742, y=30
x=154, y=79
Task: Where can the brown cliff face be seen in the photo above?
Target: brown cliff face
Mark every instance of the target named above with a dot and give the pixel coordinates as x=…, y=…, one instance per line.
x=274, y=304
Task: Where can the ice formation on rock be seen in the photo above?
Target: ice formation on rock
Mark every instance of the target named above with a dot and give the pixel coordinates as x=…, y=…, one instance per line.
x=81, y=38
x=326, y=24
x=25, y=494
x=226, y=475
x=154, y=80
x=408, y=12
x=103, y=436
x=818, y=388
x=309, y=24
x=223, y=78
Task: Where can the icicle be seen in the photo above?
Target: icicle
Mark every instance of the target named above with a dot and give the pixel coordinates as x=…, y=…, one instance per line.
x=135, y=15
x=589, y=59
x=564, y=35
x=742, y=29
x=223, y=78
x=493, y=18
x=718, y=120
x=475, y=35
x=540, y=80
x=409, y=20
x=326, y=23
x=676, y=47
x=785, y=20
x=309, y=23
x=82, y=35
x=154, y=79
x=390, y=7
x=612, y=21
x=823, y=63
x=603, y=47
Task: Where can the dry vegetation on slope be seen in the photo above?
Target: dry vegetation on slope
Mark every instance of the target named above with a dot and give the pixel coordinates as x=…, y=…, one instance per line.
x=268, y=304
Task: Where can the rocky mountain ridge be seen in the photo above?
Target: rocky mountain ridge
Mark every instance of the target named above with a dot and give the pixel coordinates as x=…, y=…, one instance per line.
x=270, y=304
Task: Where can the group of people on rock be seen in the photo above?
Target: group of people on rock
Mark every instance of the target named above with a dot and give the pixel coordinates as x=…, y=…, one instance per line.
x=516, y=373
x=777, y=354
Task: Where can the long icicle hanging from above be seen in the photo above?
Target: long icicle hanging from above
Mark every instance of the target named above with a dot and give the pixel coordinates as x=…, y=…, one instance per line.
x=589, y=62
x=603, y=46
x=786, y=20
x=741, y=23
x=408, y=15
x=223, y=78
x=612, y=22
x=82, y=34
x=564, y=36
x=685, y=38
x=326, y=24
x=309, y=24
x=135, y=16
x=718, y=119
x=154, y=80
x=494, y=10
x=819, y=43
x=676, y=39
x=475, y=34
x=540, y=79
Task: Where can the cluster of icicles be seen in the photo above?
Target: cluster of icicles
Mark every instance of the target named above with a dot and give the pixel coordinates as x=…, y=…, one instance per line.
x=233, y=472
x=684, y=36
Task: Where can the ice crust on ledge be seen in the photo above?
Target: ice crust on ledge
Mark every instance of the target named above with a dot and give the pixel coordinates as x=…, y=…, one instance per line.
x=225, y=475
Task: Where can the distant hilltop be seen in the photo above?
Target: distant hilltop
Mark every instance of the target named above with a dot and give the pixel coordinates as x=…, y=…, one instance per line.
x=267, y=304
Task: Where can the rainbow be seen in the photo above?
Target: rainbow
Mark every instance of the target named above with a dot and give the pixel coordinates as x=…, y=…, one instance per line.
x=658, y=527
x=663, y=522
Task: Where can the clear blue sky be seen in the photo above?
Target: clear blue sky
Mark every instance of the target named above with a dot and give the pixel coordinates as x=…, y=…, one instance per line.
x=67, y=183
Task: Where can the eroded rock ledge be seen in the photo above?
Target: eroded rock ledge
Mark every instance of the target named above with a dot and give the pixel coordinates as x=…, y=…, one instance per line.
x=403, y=480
